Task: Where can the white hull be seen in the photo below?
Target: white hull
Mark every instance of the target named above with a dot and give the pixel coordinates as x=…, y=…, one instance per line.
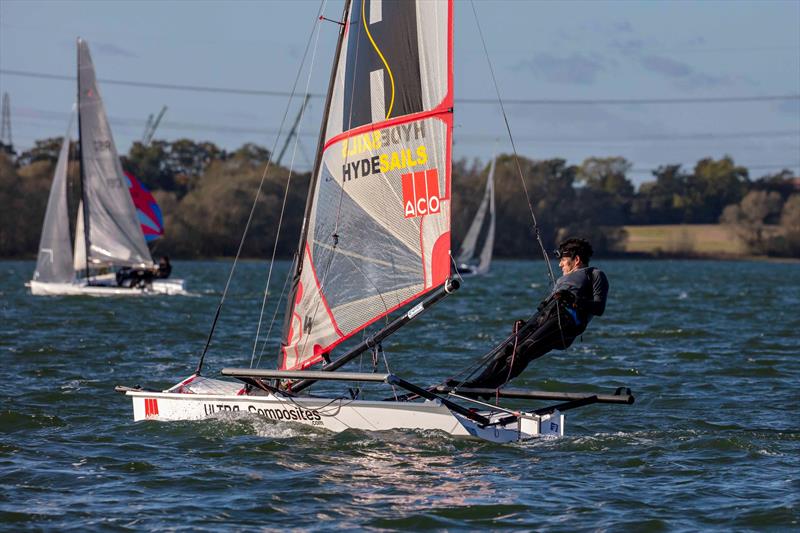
x=81, y=288
x=467, y=271
x=341, y=414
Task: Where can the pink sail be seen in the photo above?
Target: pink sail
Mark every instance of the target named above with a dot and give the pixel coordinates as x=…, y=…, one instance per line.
x=378, y=222
x=147, y=210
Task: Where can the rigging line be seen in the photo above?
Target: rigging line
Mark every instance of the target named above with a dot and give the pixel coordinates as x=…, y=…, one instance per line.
x=253, y=208
x=335, y=235
x=471, y=101
x=288, y=182
x=333, y=249
x=514, y=148
x=633, y=101
x=350, y=119
x=30, y=115
x=320, y=167
x=386, y=63
x=343, y=401
x=388, y=371
x=153, y=85
x=274, y=316
x=455, y=268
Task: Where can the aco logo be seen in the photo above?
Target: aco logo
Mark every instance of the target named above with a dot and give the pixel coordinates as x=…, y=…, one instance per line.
x=421, y=193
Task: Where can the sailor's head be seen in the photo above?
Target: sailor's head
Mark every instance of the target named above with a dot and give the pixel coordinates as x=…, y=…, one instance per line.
x=572, y=254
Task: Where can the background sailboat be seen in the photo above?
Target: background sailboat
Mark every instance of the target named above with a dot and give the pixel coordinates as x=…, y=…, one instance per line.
x=467, y=263
x=108, y=232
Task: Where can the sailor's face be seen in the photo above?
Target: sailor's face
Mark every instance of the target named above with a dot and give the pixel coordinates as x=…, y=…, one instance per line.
x=568, y=264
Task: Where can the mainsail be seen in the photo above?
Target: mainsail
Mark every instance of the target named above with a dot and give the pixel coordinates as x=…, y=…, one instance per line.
x=54, y=263
x=114, y=236
x=466, y=255
x=377, y=226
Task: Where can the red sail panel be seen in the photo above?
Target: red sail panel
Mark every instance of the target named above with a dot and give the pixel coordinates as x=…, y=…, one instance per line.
x=379, y=223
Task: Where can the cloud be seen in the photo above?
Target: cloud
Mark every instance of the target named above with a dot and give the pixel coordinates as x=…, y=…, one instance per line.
x=623, y=26
x=575, y=69
x=682, y=73
x=111, y=50
x=790, y=107
x=632, y=46
x=666, y=66
x=588, y=122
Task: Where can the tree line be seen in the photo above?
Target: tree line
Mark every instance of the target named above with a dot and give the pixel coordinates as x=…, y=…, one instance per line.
x=206, y=194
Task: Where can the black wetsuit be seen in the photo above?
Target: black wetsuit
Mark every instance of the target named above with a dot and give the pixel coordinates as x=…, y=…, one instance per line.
x=164, y=270
x=134, y=277
x=560, y=318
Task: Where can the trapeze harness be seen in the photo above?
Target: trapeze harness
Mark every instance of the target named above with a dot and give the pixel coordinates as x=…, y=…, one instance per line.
x=589, y=289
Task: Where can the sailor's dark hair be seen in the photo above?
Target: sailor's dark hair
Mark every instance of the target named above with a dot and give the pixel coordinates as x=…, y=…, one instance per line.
x=575, y=247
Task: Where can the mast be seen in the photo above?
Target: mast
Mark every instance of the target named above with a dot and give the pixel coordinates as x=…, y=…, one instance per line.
x=322, y=129
x=298, y=262
x=82, y=175
x=293, y=131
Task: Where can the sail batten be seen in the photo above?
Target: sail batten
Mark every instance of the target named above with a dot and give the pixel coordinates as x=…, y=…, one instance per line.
x=377, y=227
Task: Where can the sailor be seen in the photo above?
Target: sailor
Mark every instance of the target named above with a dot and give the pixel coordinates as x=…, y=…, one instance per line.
x=164, y=268
x=579, y=294
x=133, y=277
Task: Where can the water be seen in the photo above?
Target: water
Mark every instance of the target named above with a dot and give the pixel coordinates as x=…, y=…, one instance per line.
x=710, y=350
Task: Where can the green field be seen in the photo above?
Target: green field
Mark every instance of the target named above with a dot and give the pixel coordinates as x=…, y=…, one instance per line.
x=683, y=239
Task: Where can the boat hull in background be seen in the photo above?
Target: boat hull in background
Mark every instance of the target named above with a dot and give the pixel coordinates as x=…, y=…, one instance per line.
x=160, y=286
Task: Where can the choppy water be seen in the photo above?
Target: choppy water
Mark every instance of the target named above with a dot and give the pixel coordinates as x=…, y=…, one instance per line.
x=710, y=349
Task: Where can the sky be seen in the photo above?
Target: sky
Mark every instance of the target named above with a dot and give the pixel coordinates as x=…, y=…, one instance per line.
x=654, y=82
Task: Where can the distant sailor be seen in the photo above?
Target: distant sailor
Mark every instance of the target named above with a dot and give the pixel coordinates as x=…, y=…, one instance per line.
x=578, y=295
x=164, y=268
x=141, y=277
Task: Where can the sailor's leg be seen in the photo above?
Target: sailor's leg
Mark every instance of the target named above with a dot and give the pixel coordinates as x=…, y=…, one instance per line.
x=553, y=332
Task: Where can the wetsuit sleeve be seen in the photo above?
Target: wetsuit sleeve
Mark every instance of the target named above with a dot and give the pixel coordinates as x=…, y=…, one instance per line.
x=599, y=293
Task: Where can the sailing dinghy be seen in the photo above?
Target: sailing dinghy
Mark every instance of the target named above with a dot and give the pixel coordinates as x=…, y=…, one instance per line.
x=467, y=263
x=108, y=232
x=375, y=239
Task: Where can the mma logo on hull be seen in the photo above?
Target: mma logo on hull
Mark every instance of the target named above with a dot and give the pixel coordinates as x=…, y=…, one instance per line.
x=421, y=193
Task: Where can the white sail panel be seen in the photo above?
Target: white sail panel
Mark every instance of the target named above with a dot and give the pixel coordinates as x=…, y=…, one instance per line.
x=55, y=247
x=114, y=234
x=485, y=259
x=79, y=259
x=378, y=229
x=466, y=255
